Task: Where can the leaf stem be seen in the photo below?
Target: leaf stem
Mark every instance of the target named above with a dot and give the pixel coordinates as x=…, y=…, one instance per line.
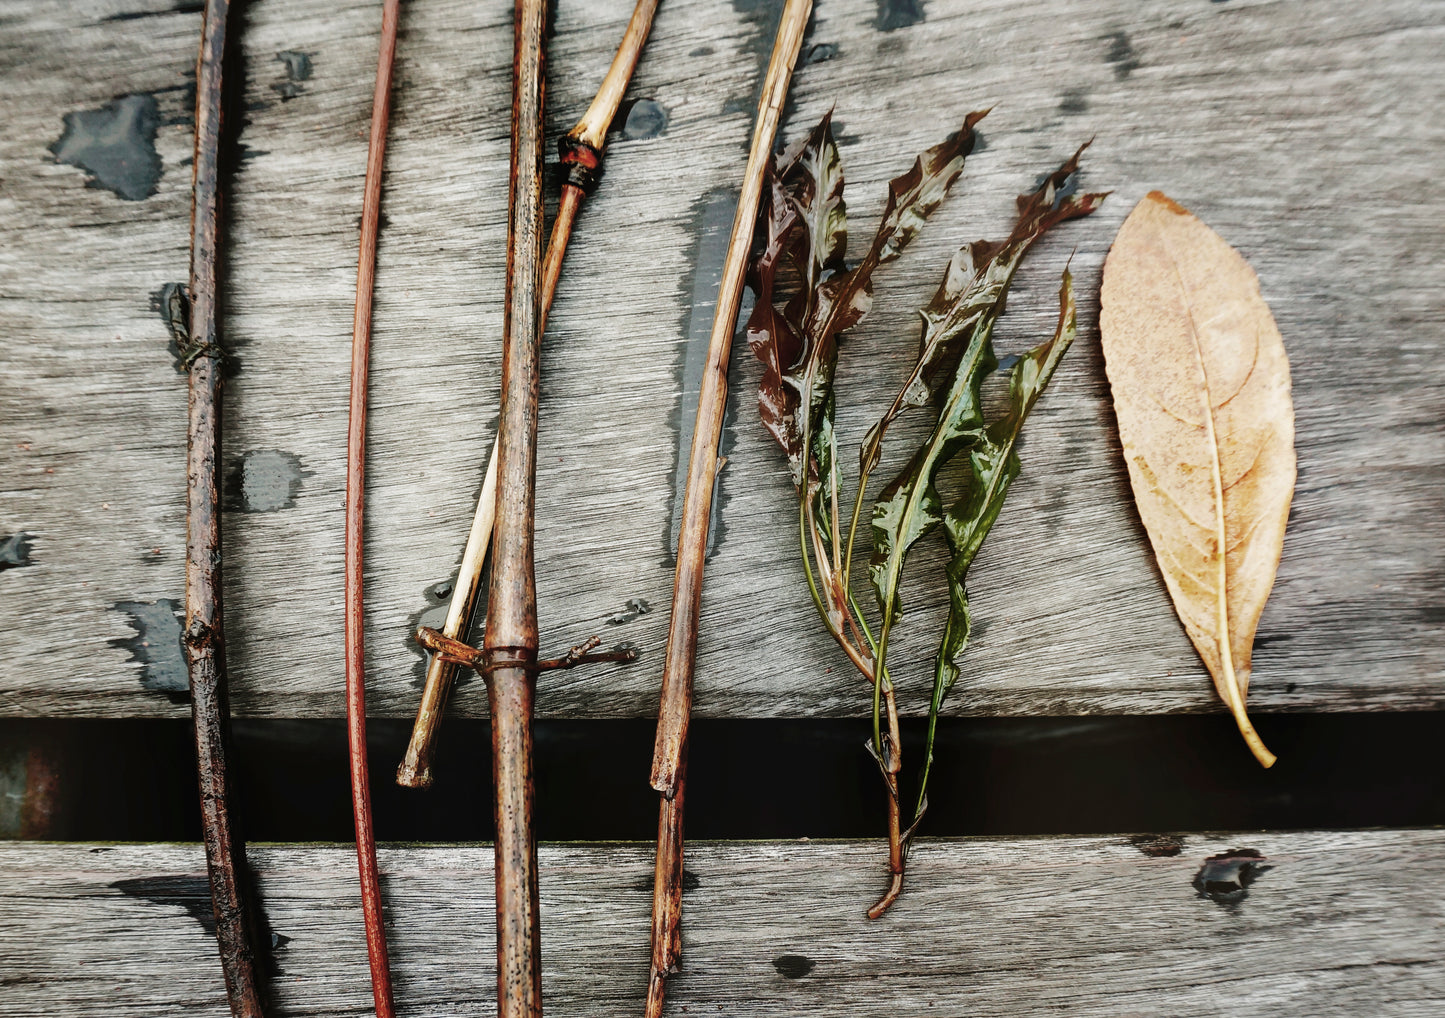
x=853, y=532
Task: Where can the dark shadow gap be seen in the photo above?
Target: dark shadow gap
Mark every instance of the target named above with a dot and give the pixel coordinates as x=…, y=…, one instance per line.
x=133, y=779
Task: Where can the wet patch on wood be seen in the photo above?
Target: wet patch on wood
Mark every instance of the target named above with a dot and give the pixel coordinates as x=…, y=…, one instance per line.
x=297, y=68
x=896, y=14
x=15, y=551
x=1121, y=54
x=264, y=481
x=115, y=145
x=712, y=222
x=1226, y=877
x=156, y=645
x=640, y=119
x=793, y=966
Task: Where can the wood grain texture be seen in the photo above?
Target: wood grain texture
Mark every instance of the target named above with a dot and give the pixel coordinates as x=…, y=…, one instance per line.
x=1343, y=924
x=1308, y=136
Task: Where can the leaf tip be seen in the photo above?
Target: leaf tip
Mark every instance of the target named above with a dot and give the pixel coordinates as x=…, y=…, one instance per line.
x=1160, y=198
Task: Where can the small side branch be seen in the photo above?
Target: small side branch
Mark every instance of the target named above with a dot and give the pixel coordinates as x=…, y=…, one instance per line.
x=456, y=652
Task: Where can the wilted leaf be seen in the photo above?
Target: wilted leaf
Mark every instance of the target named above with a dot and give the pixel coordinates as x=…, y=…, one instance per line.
x=973, y=289
x=993, y=465
x=956, y=354
x=807, y=232
x=1202, y=392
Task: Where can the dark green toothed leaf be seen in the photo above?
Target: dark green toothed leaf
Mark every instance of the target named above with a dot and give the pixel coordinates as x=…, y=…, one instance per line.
x=993, y=465
x=955, y=355
x=973, y=289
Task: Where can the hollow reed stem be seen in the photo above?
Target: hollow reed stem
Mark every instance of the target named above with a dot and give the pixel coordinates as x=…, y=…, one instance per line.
x=675, y=708
x=583, y=150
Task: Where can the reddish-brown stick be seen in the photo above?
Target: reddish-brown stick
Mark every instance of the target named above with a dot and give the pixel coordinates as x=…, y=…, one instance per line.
x=670, y=752
x=511, y=639
x=204, y=638
x=355, y=505
x=582, y=150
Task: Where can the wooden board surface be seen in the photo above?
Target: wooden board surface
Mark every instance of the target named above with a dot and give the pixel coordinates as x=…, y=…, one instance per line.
x=1307, y=134
x=1343, y=924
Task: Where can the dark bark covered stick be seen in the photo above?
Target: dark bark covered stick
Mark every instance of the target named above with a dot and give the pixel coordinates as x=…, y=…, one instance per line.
x=670, y=752
x=355, y=504
x=511, y=640
x=204, y=640
x=582, y=151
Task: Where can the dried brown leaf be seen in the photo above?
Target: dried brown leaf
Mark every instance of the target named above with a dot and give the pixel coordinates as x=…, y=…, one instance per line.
x=1201, y=388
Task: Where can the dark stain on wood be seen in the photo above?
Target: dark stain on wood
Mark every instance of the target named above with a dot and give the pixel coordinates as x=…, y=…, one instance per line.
x=711, y=223
x=1121, y=54
x=1225, y=878
x=1158, y=846
x=896, y=14
x=115, y=145
x=264, y=481
x=15, y=551
x=156, y=645
x=297, y=66
x=793, y=966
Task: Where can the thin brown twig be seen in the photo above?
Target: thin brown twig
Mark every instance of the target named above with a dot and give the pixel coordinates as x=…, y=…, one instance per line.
x=204, y=639
x=583, y=149
x=370, y=878
x=467, y=656
x=670, y=750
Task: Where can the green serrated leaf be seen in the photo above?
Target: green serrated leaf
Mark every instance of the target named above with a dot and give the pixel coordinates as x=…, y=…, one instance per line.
x=973, y=287
x=956, y=354
x=993, y=465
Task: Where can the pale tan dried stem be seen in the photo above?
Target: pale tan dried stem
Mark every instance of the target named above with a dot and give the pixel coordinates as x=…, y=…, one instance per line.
x=669, y=752
x=590, y=132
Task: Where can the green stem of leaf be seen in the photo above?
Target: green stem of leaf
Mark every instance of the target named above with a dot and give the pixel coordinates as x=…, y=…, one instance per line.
x=852, y=534
x=803, y=537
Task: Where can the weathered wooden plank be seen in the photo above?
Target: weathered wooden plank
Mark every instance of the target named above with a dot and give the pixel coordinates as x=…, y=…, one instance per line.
x=1339, y=924
x=1308, y=136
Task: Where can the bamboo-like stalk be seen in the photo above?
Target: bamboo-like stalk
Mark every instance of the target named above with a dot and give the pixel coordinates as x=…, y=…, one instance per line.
x=204, y=639
x=511, y=640
x=669, y=759
x=582, y=151
x=355, y=505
